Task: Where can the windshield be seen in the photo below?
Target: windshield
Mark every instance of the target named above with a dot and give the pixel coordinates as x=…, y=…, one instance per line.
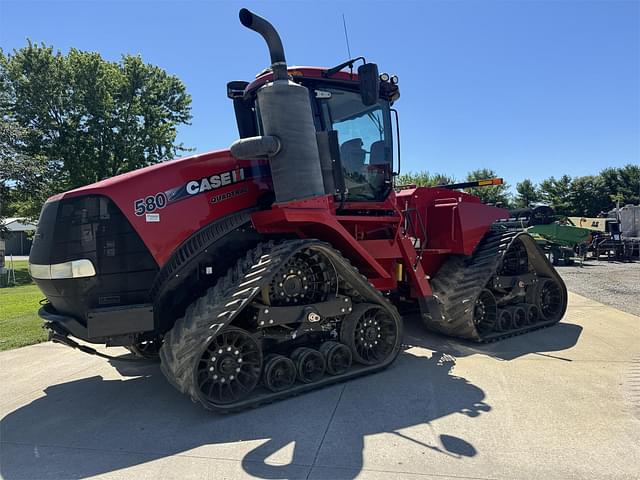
x=365, y=142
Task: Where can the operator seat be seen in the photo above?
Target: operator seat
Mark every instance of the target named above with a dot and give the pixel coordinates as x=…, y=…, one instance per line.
x=352, y=155
x=377, y=153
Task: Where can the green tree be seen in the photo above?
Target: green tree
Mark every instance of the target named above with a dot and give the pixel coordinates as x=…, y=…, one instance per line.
x=90, y=118
x=495, y=194
x=624, y=182
x=557, y=192
x=587, y=196
x=527, y=194
x=424, y=179
x=21, y=175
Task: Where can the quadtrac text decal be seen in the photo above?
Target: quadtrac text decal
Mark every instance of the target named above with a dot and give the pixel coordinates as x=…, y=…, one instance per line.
x=160, y=200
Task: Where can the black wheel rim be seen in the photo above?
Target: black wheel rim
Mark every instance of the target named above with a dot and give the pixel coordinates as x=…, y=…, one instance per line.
x=279, y=373
x=375, y=336
x=550, y=299
x=338, y=359
x=229, y=368
x=310, y=365
x=306, y=278
x=485, y=312
x=505, y=320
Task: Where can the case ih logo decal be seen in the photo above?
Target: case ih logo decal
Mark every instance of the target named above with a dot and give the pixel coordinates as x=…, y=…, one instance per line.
x=160, y=200
x=215, y=181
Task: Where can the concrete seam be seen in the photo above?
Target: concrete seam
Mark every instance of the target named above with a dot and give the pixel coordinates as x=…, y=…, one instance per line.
x=335, y=408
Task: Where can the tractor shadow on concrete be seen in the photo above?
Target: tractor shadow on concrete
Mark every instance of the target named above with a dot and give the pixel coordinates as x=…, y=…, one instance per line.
x=556, y=338
x=94, y=425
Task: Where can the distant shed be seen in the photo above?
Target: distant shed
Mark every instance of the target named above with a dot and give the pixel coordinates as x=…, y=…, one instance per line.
x=18, y=236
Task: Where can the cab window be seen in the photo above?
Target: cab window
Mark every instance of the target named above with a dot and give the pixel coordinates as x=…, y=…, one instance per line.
x=364, y=140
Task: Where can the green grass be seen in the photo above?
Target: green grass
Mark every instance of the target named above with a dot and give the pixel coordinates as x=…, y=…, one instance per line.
x=19, y=321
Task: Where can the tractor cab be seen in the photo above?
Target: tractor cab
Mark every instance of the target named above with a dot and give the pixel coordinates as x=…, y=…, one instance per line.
x=352, y=119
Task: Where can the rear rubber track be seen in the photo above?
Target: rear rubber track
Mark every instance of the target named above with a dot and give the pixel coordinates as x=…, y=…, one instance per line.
x=461, y=279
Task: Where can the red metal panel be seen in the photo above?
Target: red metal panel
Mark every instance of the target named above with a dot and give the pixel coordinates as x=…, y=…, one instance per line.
x=190, y=209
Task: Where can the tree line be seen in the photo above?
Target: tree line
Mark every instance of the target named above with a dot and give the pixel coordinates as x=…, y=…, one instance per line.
x=67, y=120
x=572, y=196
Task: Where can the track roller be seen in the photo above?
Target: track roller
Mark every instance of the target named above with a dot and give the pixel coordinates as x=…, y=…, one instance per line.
x=310, y=364
x=337, y=356
x=279, y=373
x=504, y=321
x=519, y=316
x=533, y=313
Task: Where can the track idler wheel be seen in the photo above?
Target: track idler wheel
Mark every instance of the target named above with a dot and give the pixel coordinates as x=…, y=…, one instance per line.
x=485, y=312
x=533, y=313
x=370, y=332
x=310, y=364
x=519, y=316
x=337, y=356
x=549, y=299
x=504, y=321
x=229, y=367
x=279, y=373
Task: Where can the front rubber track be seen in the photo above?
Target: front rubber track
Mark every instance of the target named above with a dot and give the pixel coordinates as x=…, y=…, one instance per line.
x=185, y=342
x=460, y=280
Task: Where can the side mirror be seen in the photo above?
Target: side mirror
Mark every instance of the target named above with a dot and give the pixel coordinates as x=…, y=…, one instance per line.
x=369, y=83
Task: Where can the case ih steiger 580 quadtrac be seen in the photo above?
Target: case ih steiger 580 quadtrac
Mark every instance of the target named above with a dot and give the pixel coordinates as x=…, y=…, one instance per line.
x=270, y=269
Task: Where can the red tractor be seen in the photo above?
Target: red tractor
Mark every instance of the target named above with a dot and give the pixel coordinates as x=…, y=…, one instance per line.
x=272, y=268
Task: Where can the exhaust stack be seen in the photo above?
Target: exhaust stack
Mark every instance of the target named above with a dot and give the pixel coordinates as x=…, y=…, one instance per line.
x=274, y=43
x=289, y=134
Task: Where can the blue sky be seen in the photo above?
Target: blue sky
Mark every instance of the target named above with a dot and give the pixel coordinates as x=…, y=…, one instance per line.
x=529, y=89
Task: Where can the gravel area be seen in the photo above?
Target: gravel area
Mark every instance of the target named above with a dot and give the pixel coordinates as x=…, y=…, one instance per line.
x=611, y=283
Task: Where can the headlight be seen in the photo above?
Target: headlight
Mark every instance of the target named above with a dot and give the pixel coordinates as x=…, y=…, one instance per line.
x=73, y=269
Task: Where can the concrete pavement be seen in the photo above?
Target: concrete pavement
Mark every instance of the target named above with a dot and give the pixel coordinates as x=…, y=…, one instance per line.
x=559, y=403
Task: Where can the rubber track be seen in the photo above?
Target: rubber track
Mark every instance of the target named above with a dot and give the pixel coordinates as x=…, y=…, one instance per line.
x=185, y=342
x=460, y=280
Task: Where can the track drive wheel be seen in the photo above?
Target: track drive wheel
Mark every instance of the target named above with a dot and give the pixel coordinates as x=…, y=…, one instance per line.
x=229, y=367
x=337, y=356
x=279, y=373
x=371, y=333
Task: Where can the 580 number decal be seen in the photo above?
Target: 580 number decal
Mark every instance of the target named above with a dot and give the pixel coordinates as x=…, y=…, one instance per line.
x=150, y=203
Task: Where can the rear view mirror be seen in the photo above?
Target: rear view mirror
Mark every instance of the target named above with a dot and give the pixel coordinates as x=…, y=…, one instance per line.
x=369, y=83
